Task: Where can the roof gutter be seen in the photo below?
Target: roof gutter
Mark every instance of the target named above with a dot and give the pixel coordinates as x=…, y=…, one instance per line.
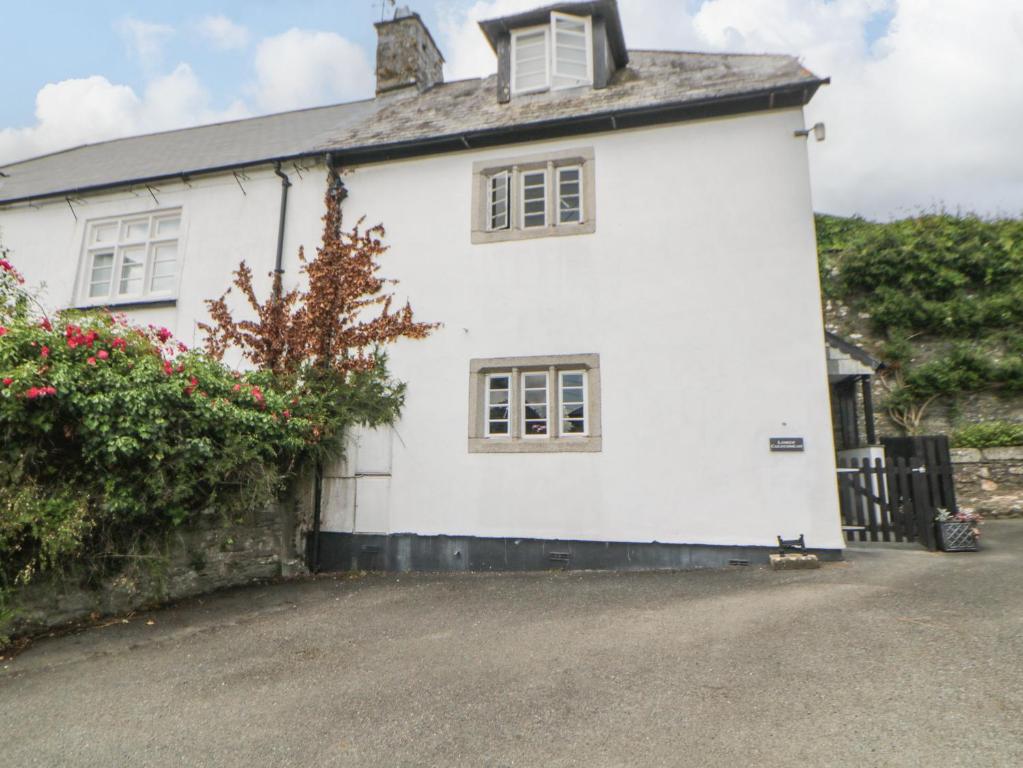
x=785, y=96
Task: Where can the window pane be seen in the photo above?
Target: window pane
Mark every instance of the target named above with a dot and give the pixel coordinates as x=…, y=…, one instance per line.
x=498, y=396
x=572, y=395
x=105, y=233
x=571, y=379
x=99, y=276
x=135, y=231
x=573, y=427
x=133, y=263
x=499, y=201
x=167, y=227
x=531, y=60
x=536, y=396
x=499, y=427
x=499, y=382
x=536, y=428
x=534, y=380
x=499, y=412
x=576, y=411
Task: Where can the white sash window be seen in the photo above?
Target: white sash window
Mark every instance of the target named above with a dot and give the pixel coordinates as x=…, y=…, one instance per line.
x=556, y=55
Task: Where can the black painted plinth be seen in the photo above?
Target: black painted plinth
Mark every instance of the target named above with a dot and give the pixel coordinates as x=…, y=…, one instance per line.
x=400, y=552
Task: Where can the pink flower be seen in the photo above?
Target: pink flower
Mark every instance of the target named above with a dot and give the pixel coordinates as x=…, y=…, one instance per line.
x=91, y=361
x=2, y=330
x=102, y=354
x=237, y=387
x=44, y=352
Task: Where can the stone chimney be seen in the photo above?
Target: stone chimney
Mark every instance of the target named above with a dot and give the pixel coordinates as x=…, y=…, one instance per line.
x=406, y=54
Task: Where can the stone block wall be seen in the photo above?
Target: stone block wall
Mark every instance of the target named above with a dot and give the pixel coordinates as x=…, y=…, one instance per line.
x=990, y=480
x=211, y=555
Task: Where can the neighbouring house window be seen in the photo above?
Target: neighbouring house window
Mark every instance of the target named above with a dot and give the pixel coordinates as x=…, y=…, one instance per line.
x=552, y=56
x=534, y=196
x=535, y=404
x=133, y=258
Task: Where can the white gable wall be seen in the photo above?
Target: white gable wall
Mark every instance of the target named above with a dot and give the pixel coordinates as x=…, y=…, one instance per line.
x=698, y=290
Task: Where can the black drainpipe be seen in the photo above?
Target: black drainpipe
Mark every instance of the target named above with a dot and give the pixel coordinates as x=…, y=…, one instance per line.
x=279, y=262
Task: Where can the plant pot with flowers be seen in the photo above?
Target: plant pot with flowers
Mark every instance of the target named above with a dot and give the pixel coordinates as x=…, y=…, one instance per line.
x=957, y=532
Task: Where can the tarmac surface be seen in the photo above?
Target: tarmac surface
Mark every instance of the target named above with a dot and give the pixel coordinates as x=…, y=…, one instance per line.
x=896, y=657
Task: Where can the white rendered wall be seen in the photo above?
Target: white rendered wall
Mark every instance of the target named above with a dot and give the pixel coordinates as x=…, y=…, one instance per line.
x=698, y=290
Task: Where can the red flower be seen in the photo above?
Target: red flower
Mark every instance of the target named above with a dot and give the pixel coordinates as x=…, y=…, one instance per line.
x=167, y=367
x=119, y=343
x=90, y=337
x=45, y=324
x=286, y=413
x=91, y=361
x=163, y=334
x=2, y=330
x=8, y=381
x=237, y=387
x=32, y=393
x=103, y=354
x=44, y=352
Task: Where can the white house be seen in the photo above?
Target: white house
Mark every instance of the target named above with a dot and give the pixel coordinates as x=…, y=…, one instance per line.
x=619, y=244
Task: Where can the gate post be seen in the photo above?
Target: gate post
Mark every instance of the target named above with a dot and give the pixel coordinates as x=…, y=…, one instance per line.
x=923, y=506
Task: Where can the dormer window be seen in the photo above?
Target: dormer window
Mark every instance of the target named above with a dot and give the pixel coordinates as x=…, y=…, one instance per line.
x=553, y=56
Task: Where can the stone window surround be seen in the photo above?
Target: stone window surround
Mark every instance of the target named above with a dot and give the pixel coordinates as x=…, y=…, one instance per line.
x=480, y=367
x=483, y=169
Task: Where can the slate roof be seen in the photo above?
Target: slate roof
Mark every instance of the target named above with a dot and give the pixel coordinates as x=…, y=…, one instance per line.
x=408, y=121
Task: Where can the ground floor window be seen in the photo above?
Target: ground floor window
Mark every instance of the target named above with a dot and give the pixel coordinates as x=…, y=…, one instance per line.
x=534, y=404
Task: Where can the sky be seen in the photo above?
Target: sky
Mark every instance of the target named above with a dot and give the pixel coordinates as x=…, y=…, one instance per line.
x=925, y=108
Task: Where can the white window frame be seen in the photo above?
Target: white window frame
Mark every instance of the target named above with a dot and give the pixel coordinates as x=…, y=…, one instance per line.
x=509, y=202
x=554, y=368
x=553, y=48
x=546, y=404
x=561, y=404
x=558, y=170
x=515, y=35
x=149, y=244
x=551, y=73
x=520, y=188
x=487, y=405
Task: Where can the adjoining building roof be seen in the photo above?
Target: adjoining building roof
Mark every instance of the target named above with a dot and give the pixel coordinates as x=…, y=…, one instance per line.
x=847, y=349
x=657, y=86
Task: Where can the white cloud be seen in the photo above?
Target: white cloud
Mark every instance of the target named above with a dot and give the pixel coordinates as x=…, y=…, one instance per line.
x=927, y=115
x=304, y=68
x=145, y=40
x=223, y=33
x=92, y=109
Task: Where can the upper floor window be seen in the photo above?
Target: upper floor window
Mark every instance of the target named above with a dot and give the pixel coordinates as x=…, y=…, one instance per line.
x=552, y=56
x=133, y=258
x=534, y=196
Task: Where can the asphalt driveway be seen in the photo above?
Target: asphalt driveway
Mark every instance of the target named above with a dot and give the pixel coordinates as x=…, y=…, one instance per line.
x=897, y=657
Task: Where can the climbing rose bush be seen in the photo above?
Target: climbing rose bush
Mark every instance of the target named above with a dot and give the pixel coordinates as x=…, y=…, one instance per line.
x=110, y=432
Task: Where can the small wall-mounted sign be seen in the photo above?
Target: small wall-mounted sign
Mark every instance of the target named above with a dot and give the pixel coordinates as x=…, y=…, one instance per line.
x=786, y=444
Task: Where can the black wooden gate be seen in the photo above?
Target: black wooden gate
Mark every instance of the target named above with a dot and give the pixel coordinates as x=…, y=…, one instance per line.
x=897, y=499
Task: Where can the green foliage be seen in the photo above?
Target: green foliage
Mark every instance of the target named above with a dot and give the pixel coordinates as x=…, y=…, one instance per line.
x=938, y=273
x=988, y=434
x=954, y=281
x=110, y=433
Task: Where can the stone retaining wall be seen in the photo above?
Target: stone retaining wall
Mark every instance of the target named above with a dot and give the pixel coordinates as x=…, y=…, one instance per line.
x=990, y=480
x=212, y=555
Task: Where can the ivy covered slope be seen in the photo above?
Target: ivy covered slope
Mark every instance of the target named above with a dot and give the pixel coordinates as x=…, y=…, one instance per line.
x=939, y=297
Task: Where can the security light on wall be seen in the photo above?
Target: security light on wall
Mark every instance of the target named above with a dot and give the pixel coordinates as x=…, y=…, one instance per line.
x=817, y=130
